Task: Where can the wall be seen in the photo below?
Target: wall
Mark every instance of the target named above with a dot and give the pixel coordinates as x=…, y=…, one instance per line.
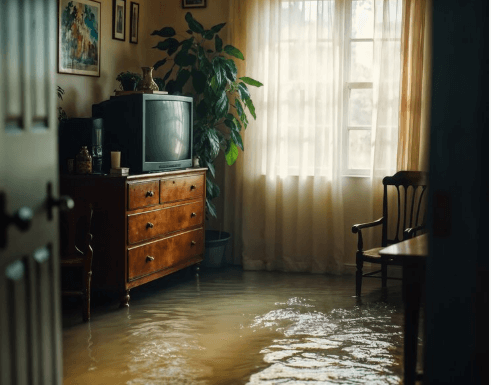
x=116, y=56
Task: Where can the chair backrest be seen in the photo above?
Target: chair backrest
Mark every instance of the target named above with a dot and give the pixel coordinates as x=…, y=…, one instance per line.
x=75, y=227
x=411, y=200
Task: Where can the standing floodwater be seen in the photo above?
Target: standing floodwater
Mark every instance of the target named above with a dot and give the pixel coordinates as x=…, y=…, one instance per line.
x=235, y=327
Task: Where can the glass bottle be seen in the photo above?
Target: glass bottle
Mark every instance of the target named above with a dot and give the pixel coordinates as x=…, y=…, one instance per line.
x=83, y=162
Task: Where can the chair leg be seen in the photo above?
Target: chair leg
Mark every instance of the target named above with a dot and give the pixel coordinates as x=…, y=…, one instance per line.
x=384, y=274
x=359, y=274
x=86, y=305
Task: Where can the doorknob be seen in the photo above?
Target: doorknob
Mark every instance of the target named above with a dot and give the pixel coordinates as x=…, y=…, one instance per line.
x=22, y=219
x=64, y=202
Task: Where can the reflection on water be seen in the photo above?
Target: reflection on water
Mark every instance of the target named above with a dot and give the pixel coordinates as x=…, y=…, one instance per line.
x=234, y=327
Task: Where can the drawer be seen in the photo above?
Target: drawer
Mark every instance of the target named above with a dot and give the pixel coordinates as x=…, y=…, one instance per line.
x=143, y=194
x=165, y=253
x=154, y=223
x=180, y=188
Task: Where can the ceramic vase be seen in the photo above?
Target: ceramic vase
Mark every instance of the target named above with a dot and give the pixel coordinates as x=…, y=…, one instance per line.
x=147, y=83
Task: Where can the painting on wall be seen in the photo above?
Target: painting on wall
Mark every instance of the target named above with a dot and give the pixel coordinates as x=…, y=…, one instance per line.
x=194, y=3
x=135, y=15
x=119, y=19
x=79, y=37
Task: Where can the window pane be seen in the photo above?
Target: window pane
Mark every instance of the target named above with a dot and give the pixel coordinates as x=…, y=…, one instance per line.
x=361, y=61
x=360, y=107
x=359, y=149
x=362, y=19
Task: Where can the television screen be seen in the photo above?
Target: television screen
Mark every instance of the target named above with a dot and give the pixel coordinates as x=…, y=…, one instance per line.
x=167, y=133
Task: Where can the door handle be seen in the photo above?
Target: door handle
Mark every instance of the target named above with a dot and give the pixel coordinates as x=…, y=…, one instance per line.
x=22, y=219
x=64, y=202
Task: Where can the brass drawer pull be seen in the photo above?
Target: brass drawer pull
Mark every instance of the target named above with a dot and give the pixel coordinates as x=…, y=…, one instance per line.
x=193, y=243
x=149, y=194
x=150, y=258
x=149, y=225
x=193, y=187
x=193, y=214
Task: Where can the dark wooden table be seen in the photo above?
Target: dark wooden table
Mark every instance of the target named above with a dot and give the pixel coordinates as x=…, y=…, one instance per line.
x=412, y=254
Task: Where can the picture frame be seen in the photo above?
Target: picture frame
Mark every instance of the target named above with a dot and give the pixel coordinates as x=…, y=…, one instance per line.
x=77, y=58
x=134, y=21
x=119, y=20
x=194, y=3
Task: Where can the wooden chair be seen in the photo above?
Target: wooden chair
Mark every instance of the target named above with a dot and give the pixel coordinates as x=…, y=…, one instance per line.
x=76, y=251
x=408, y=220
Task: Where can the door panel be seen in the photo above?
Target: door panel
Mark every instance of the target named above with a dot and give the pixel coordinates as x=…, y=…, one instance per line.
x=30, y=324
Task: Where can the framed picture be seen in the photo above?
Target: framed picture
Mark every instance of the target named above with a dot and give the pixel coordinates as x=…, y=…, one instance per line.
x=79, y=37
x=134, y=21
x=119, y=19
x=194, y=3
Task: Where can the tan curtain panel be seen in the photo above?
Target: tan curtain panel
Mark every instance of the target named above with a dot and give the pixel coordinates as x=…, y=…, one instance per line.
x=413, y=146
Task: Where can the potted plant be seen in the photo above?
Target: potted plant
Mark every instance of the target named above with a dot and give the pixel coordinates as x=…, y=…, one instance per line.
x=128, y=80
x=203, y=63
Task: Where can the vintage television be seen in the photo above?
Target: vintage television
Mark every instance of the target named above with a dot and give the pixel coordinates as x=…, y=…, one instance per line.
x=153, y=132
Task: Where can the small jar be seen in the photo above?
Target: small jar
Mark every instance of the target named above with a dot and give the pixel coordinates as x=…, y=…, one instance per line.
x=83, y=162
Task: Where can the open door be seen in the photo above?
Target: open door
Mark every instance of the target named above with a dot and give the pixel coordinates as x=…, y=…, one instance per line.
x=30, y=324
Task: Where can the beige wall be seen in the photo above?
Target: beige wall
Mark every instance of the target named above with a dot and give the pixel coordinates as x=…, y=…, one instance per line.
x=117, y=56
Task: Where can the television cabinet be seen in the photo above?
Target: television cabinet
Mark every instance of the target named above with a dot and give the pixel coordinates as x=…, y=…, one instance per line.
x=144, y=226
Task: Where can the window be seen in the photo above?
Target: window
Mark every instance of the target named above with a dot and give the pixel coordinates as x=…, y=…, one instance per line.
x=318, y=60
x=358, y=89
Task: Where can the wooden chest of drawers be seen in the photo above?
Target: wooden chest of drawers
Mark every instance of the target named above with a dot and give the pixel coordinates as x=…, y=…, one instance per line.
x=144, y=226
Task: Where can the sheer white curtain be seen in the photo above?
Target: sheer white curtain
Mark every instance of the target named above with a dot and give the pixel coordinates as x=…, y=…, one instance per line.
x=285, y=200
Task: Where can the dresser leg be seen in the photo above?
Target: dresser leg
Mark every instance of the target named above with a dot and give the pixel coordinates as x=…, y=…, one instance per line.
x=196, y=268
x=125, y=299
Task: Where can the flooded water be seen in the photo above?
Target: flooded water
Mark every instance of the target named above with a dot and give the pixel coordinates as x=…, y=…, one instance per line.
x=235, y=327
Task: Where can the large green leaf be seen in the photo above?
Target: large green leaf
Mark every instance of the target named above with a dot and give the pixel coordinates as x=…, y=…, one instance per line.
x=159, y=64
x=220, y=72
x=217, y=28
x=231, y=50
x=243, y=91
x=194, y=25
x=167, y=75
x=184, y=59
x=218, y=43
x=221, y=106
x=232, y=154
x=251, y=81
x=230, y=69
x=166, y=44
x=211, y=168
x=202, y=109
x=237, y=139
x=230, y=123
x=182, y=78
x=186, y=44
x=238, y=106
x=199, y=81
x=165, y=32
x=210, y=207
x=214, y=142
x=208, y=35
x=251, y=108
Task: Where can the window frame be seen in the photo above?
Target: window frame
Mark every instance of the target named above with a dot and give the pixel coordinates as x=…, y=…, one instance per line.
x=347, y=87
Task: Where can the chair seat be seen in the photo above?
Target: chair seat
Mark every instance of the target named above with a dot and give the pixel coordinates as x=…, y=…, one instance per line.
x=75, y=260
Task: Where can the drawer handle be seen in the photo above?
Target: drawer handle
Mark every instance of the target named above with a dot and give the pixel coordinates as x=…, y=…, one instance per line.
x=149, y=194
x=193, y=243
x=193, y=187
x=193, y=214
x=150, y=258
x=149, y=225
